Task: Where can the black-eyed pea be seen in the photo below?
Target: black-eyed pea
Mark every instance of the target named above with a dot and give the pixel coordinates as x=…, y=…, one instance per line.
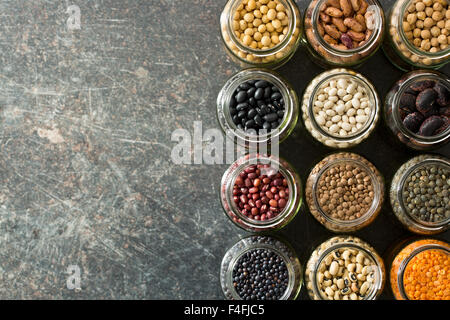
x=337, y=295
x=354, y=287
x=327, y=283
x=340, y=283
x=329, y=292
x=358, y=268
x=364, y=288
x=334, y=268
x=353, y=296
x=361, y=277
x=334, y=287
x=327, y=274
x=367, y=261
x=360, y=258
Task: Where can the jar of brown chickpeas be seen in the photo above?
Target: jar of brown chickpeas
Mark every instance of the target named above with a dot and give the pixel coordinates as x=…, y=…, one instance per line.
x=263, y=33
x=344, y=192
x=418, y=34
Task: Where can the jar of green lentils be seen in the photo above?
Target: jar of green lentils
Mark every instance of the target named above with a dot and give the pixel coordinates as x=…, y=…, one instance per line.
x=261, y=33
x=420, y=194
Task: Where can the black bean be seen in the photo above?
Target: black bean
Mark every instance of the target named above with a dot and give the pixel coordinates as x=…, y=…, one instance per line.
x=267, y=92
x=252, y=102
x=242, y=106
x=251, y=92
x=250, y=123
x=266, y=125
x=241, y=114
x=245, y=86
x=241, y=96
x=233, y=111
x=280, y=114
x=271, y=117
x=275, y=96
x=236, y=119
x=265, y=109
x=258, y=120
x=259, y=93
x=252, y=113
x=261, y=84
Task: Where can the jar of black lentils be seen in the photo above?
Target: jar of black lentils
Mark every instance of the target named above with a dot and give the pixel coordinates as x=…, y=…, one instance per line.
x=417, y=109
x=420, y=194
x=261, y=268
x=344, y=192
x=257, y=106
x=263, y=33
x=344, y=268
x=261, y=193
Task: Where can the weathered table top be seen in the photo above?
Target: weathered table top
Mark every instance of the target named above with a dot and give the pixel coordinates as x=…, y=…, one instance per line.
x=88, y=187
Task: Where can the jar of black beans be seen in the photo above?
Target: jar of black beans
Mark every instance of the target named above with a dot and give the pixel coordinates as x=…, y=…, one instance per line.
x=261, y=268
x=420, y=194
x=257, y=106
x=261, y=193
x=417, y=109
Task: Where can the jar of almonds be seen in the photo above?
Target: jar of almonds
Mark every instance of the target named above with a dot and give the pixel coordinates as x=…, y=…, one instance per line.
x=344, y=192
x=340, y=108
x=344, y=268
x=418, y=34
x=343, y=32
x=264, y=33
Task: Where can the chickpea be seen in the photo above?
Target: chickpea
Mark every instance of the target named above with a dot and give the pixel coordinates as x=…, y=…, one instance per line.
x=429, y=11
x=435, y=31
x=421, y=15
x=434, y=42
x=420, y=6
x=428, y=23
x=411, y=18
x=442, y=39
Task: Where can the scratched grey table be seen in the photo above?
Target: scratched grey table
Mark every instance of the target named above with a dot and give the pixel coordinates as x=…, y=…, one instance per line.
x=91, y=204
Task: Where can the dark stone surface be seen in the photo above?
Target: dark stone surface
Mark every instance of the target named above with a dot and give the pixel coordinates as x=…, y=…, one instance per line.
x=86, y=118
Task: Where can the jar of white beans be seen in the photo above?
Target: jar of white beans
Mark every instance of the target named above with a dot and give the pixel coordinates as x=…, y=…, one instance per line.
x=340, y=108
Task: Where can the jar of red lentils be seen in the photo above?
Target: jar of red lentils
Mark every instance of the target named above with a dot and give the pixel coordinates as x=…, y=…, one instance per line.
x=261, y=268
x=263, y=33
x=418, y=35
x=420, y=271
x=228, y=109
x=343, y=33
x=261, y=193
x=344, y=192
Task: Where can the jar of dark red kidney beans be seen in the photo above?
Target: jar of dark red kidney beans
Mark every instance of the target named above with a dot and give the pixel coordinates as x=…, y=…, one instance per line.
x=261, y=193
x=257, y=106
x=417, y=109
x=261, y=268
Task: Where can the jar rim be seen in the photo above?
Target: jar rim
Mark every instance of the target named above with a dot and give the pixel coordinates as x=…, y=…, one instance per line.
x=378, y=190
x=412, y=77
x=294, y=187
x=409, y=45
x=371, y=93
x=411, y=255
x=349, y=52
x=405, y=176
x=378, y=284
x=290, y=100
x=258, y=52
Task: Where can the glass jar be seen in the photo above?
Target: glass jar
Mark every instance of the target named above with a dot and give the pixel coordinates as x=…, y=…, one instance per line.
x=256, y=212
x=395, y=114
x=344, y=268
x=420, y=193
x=316, y=102
x=248, y=139
x=327, y=51
x=344, y=192
x=257, y=52
x=278, y=254
x=411, y=279
x=398, y=46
